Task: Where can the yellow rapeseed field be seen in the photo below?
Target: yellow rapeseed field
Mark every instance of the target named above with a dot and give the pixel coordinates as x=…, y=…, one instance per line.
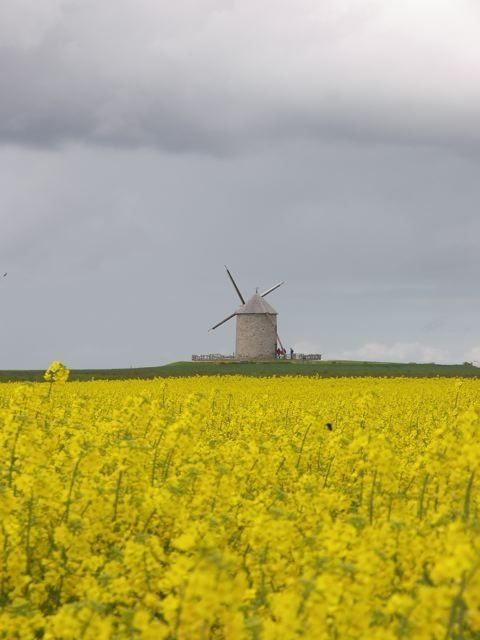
x=240, y=508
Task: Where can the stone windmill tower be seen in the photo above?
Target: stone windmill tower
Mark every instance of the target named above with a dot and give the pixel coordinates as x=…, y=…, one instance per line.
x=257, y=336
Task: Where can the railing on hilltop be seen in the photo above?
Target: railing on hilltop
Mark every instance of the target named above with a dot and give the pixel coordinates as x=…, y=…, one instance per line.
x=212, y=356
x=219, y=356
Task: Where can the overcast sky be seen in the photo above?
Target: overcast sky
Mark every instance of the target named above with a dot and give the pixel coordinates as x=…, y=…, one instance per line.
x=332, y=144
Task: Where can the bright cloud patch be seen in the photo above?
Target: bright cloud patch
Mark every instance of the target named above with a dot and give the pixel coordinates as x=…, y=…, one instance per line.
x=397, y=352
x=306, y=347
x=473, y=355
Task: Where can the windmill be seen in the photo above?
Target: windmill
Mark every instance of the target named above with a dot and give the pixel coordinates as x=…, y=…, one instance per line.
x=256, y=336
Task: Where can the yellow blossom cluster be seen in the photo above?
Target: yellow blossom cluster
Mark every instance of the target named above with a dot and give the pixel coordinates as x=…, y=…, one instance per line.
x=232, y=508
x=56, y=372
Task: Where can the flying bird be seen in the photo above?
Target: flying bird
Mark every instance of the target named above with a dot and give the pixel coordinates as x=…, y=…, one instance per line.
x=6, y=273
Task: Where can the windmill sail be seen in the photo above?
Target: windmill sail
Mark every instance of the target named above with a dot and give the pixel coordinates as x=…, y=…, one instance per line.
x=235, y=285
x=225, y=320
x=265, y=293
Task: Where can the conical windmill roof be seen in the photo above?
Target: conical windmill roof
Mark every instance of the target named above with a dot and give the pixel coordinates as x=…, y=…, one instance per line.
x=256, y=304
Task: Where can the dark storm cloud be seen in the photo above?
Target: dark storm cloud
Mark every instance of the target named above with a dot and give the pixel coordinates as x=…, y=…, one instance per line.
x=216, y=76
x=116, y=257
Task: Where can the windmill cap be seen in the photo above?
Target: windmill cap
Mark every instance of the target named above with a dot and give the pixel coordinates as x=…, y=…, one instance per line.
x=256, y=304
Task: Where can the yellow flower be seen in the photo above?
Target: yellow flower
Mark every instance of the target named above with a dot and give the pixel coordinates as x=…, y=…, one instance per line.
x=223, y=508
x=56, y=372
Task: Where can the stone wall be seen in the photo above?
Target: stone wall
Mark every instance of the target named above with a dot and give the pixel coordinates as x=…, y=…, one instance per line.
x=256, y=336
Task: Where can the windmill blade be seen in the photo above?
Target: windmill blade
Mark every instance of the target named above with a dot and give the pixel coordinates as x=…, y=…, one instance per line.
x=235, y=285
x=265, y=293
x=225, y=320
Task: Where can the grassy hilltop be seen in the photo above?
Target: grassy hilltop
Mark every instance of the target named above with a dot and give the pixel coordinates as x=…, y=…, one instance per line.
x=324, y=368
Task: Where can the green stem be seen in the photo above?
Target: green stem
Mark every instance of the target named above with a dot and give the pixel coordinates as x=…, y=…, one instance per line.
x=3, y=585
x=28, y=551
x=13, y=456
x=370, y=501
x=148, y=520
x=327, y=474
x=154, y=465
x=468, y=493
x=70, y=489
x=168, y=461
x=421, y=510
x=302, y=445
x=456, y=611
x=390, y=505
x=117, y=496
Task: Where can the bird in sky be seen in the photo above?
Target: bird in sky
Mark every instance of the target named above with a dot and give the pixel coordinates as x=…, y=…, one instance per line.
x=6, y=273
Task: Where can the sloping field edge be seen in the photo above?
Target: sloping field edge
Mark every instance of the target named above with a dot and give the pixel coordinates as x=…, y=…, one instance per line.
x=324, y=368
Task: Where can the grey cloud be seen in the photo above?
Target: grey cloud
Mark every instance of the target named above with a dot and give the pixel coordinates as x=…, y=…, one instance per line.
x=220, y=77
